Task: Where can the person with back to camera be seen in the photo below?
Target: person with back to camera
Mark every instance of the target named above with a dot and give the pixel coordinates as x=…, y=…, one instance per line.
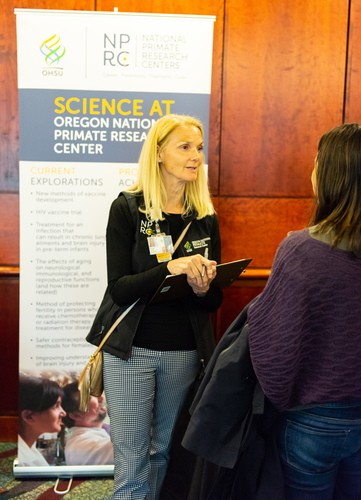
x=40, y=411
x=154, y=355
x=305, y=332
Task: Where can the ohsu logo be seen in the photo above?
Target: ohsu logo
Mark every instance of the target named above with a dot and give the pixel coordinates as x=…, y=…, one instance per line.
x=114, y=50
x=53, y=51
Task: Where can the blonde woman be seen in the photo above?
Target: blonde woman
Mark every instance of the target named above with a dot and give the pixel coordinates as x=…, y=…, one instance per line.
x=153, y=357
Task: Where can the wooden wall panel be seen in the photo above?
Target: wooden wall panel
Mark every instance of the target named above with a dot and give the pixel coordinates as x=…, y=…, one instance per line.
x=8, y=429
x=9, y=120
x=9, y=366
x=235, y=298
x=9, y=228
x=192, y=7
x=254, y=227
x=283, y=87
x=353, y=84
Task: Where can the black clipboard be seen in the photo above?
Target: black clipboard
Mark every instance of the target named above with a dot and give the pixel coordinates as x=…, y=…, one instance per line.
x=175, y=286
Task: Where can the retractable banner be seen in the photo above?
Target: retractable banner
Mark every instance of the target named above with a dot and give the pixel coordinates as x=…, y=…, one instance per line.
x=91, y=84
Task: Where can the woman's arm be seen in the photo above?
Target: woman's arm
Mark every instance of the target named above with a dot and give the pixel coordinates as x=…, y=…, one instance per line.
x=204, y=295
x=125, y=287
x=213, y=299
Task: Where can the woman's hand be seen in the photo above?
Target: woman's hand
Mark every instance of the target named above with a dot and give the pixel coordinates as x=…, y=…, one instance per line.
x=192, y=266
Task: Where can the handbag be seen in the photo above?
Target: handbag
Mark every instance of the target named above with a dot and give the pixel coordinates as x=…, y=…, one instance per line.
x=91, y=378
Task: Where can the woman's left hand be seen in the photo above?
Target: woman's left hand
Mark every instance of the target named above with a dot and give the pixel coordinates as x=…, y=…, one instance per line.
x=194, y=266
x=200, y=290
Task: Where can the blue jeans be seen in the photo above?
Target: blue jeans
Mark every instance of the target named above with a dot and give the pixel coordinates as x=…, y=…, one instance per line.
x=320, y=452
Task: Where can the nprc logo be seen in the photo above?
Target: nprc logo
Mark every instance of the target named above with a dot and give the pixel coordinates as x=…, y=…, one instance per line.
x=115, y=50
x=53, y=51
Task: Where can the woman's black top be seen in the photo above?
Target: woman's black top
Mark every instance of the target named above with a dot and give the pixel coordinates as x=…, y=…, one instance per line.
x=164, y=326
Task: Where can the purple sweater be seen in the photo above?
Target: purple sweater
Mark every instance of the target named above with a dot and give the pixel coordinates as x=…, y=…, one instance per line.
x=305, y=329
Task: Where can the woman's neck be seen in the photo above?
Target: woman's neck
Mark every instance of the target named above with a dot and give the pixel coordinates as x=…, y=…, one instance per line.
x=175, y=199
x=174, y=208
x=28, y=435
x=328, y=238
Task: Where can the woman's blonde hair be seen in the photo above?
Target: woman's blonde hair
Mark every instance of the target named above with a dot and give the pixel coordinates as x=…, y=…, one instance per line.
x=150, y=183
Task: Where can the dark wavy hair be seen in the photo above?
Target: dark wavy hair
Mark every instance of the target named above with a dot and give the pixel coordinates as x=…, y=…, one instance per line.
x=70, y=402
x=338, y=185
x=38, y=394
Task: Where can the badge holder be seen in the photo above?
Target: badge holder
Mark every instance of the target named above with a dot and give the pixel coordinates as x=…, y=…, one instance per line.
x=161, y=244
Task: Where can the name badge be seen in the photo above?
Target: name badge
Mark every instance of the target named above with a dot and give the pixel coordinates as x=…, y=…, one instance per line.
x=161, y=246
x=164, y=257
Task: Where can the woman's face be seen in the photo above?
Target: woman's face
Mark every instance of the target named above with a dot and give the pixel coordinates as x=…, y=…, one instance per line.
x=182, y=155
x=50, y=420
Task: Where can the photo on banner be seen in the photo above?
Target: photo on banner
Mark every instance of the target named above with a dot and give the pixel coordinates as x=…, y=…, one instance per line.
x=91, y=85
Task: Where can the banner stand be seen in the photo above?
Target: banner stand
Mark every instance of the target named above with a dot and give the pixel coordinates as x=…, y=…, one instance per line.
x=91, y=85
x=63, y=471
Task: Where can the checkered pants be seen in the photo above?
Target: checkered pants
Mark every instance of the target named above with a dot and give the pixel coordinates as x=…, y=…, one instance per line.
x=144, y=397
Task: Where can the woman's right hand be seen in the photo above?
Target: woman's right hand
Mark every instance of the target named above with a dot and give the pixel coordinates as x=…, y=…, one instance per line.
x=192, y=266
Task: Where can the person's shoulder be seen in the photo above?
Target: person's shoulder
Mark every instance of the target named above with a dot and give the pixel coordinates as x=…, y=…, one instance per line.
x=90, y=434
x=209, y=223
x=119, y=209
x=294, y=238
x=298, y=235
x=120, y=202
x=128, y=201
x=124, y=211
x=210, y=218
x=77, y=435
x=294, y=242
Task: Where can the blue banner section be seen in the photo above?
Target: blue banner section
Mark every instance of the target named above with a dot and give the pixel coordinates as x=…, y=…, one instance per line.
x=97, y=126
